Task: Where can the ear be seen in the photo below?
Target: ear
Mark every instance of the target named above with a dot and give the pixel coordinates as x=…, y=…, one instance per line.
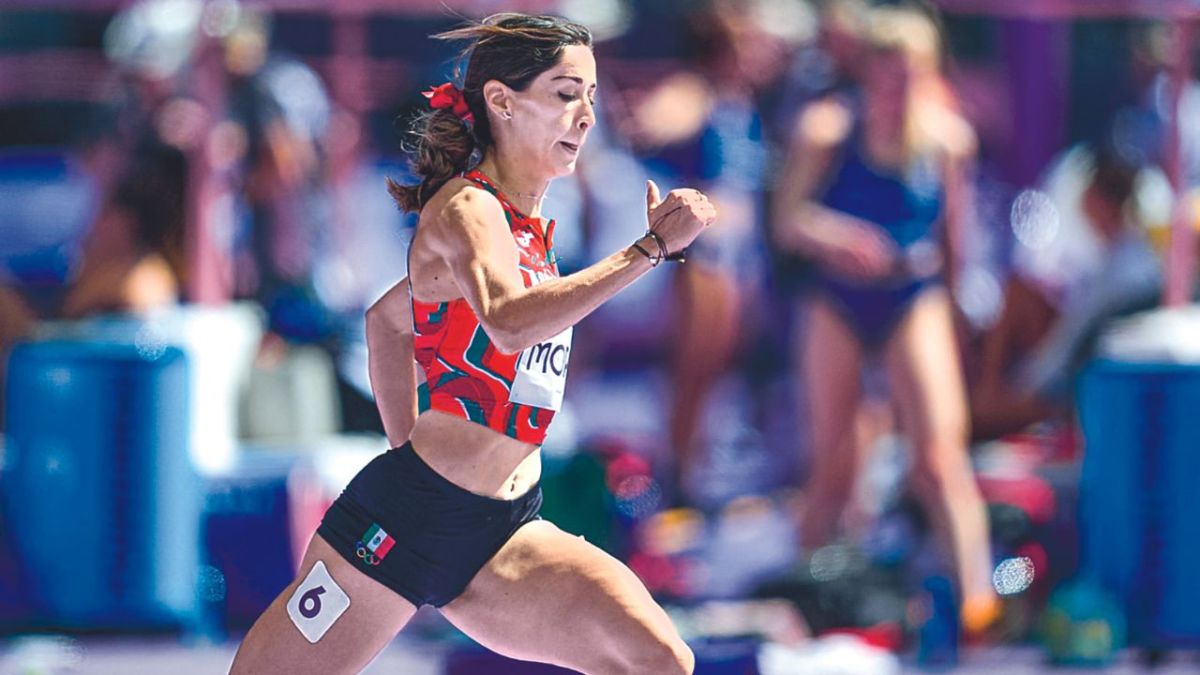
x=497, y=96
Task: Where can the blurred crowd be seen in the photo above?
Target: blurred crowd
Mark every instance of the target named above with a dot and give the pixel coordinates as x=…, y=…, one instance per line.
x=924, y=218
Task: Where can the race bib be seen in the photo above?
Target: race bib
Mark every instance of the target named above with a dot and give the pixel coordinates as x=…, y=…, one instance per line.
x=316, y=603
x=542, y=373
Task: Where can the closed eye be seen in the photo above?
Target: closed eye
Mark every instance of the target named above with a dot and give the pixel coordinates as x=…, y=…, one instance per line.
x=571, y=97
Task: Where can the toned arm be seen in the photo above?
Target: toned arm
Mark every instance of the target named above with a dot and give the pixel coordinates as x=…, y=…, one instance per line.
x=390, y=362
x=471, y=235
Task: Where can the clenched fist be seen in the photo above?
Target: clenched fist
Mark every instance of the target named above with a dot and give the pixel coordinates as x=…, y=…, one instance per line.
x=679, y=218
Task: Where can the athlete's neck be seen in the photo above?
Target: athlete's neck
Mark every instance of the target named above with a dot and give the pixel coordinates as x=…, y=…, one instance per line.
x=524, y=190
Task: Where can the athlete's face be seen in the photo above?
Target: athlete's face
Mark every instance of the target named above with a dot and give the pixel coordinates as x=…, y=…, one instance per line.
x=550, y=120
x=887, y=79
x=888, y=74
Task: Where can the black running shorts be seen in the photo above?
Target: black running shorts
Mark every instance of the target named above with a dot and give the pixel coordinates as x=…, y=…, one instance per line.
x=404, y=525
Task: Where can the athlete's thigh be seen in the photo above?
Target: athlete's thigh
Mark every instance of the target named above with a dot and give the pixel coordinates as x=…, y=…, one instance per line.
x=831, y=365
x=552, y=597
x=926, y=376
x=275, y=644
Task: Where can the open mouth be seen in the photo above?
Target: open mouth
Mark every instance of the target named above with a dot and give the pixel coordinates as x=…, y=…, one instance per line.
x=569, y=146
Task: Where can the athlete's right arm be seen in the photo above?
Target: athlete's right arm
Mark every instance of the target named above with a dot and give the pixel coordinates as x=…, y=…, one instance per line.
x=390, y=363
x=820, y=127
x=473, y=237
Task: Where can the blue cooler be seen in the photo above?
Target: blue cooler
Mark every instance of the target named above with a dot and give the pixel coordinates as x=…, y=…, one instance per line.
x=1139, y=501
x=249, y=532
x=99, y=496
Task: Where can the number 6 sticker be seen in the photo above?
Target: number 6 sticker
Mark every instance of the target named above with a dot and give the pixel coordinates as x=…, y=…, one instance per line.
x=317, y=603
x=310, y=603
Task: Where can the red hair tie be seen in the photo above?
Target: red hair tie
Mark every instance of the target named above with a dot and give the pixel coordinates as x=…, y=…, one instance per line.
x=448, y=96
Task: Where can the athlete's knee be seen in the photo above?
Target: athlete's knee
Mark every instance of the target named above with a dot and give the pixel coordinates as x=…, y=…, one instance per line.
x=669, y=656
x=684, y=657
x=941, y=470
x=928, y=475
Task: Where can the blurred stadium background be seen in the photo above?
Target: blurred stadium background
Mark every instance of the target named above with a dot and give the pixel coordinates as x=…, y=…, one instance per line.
x=193, y=220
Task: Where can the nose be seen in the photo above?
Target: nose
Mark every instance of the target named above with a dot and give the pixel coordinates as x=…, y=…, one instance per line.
x=588, y=118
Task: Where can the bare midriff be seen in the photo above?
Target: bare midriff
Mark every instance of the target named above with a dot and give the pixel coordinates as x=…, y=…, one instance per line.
x=474, y=457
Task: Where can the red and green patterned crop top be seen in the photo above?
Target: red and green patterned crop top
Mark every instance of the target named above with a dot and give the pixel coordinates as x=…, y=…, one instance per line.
x=466, y=376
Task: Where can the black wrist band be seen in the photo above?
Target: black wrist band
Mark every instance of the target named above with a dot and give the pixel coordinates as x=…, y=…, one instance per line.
x=654, y=260
x=663, y=253
x=658, y=241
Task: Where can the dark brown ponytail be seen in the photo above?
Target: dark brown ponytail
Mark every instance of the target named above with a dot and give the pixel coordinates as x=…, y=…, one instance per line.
x=441, y=149
x=511, y=48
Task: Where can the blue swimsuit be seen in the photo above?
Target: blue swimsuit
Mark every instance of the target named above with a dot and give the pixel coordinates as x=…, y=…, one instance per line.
x=908, y=208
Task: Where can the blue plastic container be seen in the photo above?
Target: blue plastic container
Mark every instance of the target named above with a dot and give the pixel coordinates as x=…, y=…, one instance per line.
x=937, y=647
x=1139, y=498
x=100, y=498
x=247, y=533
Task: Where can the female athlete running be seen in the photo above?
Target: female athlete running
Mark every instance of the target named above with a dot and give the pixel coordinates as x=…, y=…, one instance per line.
x=450, y=518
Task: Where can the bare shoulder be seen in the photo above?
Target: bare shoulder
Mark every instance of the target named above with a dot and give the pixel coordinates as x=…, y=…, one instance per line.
x=824, y=123
x=954, y=137
x=459, y=210
x=461, y=204
x=461, y=218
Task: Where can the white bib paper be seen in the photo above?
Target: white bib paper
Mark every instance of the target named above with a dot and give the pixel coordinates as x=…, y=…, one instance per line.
x=542, y=373
x=317, y=602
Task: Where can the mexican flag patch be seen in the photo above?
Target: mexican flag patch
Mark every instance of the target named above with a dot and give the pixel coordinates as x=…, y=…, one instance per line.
x=375, y=545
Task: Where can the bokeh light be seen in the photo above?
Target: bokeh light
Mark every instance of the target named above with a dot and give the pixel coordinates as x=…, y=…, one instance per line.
x=1013, y=575
x=210, y=584
x=1035, y=219
x=833, y=562
x=150, y=342
x=638, y=496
